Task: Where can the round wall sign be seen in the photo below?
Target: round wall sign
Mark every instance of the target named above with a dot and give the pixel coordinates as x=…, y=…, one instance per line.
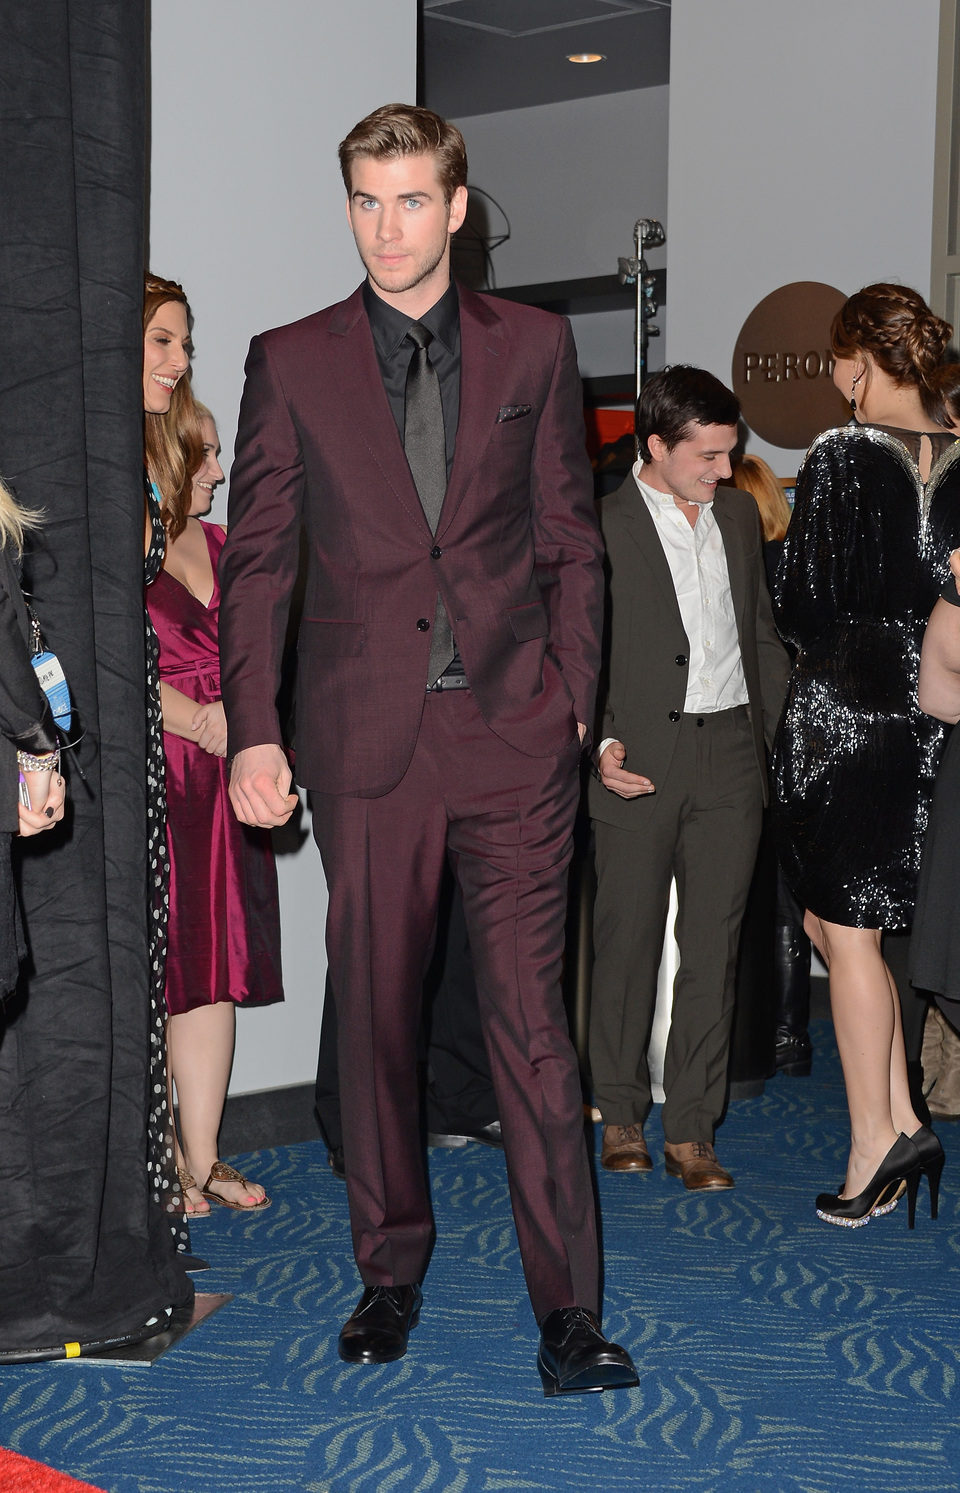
x=782, y=365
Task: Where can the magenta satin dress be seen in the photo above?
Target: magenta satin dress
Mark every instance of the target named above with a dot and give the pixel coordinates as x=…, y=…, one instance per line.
x=224, y=932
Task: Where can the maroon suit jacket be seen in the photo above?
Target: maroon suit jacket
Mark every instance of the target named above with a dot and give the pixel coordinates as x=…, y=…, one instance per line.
x=516, y=554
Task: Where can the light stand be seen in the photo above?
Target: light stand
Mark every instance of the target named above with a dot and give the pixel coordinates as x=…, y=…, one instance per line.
x=647, y=234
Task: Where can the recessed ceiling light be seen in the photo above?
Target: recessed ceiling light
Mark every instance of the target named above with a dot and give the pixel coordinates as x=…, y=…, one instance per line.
x=585, y=57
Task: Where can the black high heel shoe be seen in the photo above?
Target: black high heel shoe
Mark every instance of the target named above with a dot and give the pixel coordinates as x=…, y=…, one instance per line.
x=931, y=1162
x=902, y=1163
x=889, y=1202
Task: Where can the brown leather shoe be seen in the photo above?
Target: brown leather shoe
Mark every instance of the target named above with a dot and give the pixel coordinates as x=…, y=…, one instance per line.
x=696, y=1164
x=624, y=1149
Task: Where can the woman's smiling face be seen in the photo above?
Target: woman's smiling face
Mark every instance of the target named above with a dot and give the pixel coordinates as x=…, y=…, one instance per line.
x=209, y=473
x=166, y=355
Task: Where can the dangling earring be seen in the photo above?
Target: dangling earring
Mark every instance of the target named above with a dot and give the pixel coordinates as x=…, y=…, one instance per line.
x=853, y=394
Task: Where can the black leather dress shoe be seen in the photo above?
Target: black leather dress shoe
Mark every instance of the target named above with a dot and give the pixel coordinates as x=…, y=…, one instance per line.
x=575, y=1357
x=335, y=1160
x=486, y=1135
x=378, y=1330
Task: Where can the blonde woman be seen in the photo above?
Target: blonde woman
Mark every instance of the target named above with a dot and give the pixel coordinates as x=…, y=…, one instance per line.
x=753, y=475
x=223, y=947
x=31, y=786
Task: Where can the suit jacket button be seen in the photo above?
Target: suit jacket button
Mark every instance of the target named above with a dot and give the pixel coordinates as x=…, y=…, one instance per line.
x=674, y=715
x=423, y=625
x=681, y=659
x=436, y=552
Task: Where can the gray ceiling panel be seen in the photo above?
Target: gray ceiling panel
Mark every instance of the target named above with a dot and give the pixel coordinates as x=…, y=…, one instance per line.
x=482, y=56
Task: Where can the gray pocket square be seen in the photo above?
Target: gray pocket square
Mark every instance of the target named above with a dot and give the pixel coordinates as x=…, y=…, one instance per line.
x=513, y=412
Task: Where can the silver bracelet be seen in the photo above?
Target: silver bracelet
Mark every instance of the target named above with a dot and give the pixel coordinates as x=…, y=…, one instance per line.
x=45, y=762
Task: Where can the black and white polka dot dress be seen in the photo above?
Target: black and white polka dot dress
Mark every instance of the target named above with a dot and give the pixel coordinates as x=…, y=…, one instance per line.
x=161, y=1160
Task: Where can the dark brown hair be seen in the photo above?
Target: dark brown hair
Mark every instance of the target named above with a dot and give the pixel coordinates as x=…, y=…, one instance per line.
x=905, y=339
x=396, y=130
x=172, y=442
x=680, y=396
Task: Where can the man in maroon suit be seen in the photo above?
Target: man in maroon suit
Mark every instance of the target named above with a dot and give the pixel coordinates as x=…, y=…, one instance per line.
x=429, y=442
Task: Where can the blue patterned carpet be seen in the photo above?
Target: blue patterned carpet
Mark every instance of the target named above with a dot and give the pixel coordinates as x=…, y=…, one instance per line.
x=775, y=1353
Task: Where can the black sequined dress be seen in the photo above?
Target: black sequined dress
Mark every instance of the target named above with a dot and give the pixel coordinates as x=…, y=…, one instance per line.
x=935, y=944
x=855, y=759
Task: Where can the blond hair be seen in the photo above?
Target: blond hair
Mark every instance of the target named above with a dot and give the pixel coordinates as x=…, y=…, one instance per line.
x=15, y=520
x=752, y=474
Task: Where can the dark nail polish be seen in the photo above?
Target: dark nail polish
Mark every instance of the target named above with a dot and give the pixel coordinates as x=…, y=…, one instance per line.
x=49, y=813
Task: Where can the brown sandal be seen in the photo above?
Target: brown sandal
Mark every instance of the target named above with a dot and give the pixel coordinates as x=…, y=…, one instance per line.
x=185, y=1180
x=221, y=1171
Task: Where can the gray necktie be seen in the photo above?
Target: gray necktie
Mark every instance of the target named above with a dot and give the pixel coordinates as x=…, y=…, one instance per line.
x=424, y=443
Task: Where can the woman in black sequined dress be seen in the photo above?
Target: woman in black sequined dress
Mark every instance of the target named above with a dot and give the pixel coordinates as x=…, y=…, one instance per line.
x=877, y=513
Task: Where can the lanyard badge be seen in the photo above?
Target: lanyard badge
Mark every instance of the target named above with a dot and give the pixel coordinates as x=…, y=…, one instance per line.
x=52, y=681
x=50, y=676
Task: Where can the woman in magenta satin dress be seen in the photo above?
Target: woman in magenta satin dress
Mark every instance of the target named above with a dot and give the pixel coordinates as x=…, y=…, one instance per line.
x=224, y=931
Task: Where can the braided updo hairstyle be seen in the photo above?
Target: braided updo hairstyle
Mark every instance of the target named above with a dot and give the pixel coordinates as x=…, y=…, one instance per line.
x=906, y=340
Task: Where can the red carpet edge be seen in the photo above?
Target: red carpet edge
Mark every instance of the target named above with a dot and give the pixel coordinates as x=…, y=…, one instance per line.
x=20, y=1475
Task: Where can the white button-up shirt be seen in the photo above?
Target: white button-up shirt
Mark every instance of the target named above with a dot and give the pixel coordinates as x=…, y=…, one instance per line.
x=698, y=567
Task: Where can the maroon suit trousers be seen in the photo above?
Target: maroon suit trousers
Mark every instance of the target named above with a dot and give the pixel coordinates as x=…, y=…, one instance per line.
x=505, y=819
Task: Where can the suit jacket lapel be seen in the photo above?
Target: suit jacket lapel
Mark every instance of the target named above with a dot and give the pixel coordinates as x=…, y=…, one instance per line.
x=366, y=409
x=736, y=569
x=643, y=530
x=483, y=345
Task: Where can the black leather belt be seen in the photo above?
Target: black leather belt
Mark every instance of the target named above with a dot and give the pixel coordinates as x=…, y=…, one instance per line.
x=448, y=681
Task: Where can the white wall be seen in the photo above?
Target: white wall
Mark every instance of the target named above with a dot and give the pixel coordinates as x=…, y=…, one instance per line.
x=573, y=178
x=801, y=148
x=247, y=211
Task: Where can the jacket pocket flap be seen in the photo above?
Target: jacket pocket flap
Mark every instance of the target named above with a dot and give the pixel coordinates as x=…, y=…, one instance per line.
x=331, y=635
x=529, y=621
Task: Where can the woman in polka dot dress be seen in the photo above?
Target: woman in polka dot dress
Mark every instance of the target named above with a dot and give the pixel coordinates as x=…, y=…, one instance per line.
x=172, y=451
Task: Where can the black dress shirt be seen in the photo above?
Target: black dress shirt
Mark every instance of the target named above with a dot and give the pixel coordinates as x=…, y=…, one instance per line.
x=389, y=328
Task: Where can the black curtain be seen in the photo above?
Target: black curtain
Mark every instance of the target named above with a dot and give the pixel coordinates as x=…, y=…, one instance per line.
x=84, y=1255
